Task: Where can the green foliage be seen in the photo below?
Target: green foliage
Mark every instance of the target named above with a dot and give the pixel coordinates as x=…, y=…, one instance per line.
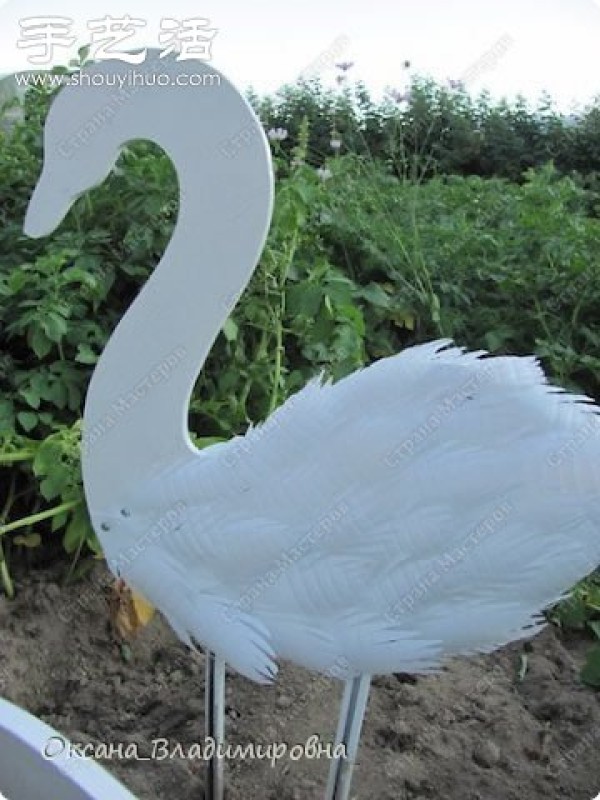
x=430, y=129
x=512, y=268
x=581, y=612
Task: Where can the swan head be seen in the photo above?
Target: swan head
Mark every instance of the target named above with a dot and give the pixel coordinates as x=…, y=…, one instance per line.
x=89, y=121
x=68, y=171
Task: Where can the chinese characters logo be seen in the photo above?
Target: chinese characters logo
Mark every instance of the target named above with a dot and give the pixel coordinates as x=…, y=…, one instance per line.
x=110, y=38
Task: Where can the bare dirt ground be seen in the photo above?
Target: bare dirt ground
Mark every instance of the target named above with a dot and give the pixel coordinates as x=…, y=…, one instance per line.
x=476, y=731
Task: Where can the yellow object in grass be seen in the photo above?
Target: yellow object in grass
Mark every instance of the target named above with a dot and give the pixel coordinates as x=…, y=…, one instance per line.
x=129, y=611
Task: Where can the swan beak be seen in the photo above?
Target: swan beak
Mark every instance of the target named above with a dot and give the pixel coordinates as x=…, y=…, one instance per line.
x=45, y=211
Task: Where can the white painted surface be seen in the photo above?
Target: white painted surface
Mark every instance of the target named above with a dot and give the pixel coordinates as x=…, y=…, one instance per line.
x=26, y=775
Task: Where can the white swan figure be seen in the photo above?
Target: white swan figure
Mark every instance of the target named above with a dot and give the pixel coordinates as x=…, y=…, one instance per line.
x=428, y=505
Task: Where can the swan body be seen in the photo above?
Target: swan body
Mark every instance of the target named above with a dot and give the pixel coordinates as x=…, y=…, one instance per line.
x=428, y=505
x=425, y=506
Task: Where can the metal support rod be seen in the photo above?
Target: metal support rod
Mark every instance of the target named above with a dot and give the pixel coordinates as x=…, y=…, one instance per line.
x=352, y=712
x=214, y=699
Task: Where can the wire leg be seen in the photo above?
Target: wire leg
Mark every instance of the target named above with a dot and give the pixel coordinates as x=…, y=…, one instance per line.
x=214, y=699
x=352, y=712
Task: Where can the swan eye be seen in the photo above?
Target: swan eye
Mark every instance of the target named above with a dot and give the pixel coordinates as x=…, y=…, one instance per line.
x=105, y=526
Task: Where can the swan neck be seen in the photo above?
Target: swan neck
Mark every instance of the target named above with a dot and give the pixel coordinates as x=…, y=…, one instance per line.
x=136, y=414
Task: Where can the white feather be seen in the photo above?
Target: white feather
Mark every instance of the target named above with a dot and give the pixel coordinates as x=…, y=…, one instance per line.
x=430, y=504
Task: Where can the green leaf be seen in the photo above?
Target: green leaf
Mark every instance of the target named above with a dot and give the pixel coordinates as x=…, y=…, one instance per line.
x=595, y=626
x=93, y=543
x=79, y=275
x=230, y=330
x=56, y=392
x=593, y=594
x=375, y=295
x=55, y=326
x=46, y=457
x=59, y=521
x=31, y=394
x=28, y=420
x=39, y=342
x=57, y=480
x=206, y=441
x=340, y=290
x=304, y=299
x=85, y=354
x=572, y=612
x=496, y=339
x=77, y=530
x=28, y=539
x=590, y=673
x=17, y=279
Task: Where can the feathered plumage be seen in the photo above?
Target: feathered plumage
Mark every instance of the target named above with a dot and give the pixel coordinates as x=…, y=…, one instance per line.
x=428, y=505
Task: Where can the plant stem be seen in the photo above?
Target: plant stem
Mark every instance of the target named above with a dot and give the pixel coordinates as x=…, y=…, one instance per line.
x=74, y=561
x=278, y=363
x=4, y=573
x=42, y=515
x=279, y=326
x=20, y=455
x=5, y=576
x=542, y=320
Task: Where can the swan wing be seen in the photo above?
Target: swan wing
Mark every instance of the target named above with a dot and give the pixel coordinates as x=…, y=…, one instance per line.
x=429, y=504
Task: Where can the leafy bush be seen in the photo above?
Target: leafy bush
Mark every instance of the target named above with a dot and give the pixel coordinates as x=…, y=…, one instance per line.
x=512, y=268
x=430, y=129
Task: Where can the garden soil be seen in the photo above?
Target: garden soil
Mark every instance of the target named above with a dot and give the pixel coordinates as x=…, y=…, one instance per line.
x=515, y=725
